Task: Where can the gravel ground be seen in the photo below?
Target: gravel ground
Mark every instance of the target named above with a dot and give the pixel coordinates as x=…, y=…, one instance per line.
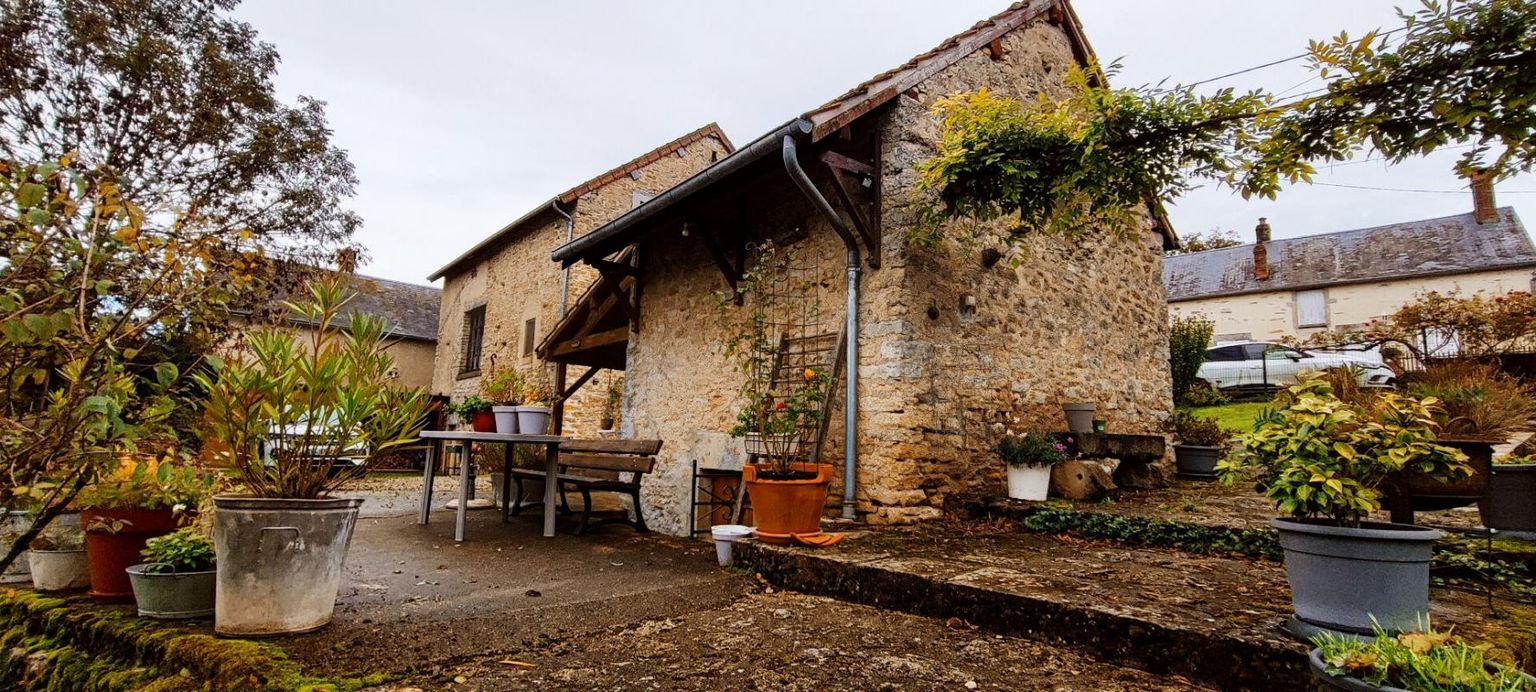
x=787, y=641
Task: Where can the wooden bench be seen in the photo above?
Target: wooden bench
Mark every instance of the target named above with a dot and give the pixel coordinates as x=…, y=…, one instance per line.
x=597, y=465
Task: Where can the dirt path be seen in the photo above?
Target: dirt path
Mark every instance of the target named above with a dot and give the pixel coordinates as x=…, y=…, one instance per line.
x=786, y=641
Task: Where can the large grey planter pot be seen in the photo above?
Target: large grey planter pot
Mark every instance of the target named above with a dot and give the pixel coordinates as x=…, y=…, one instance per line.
x=173, y=595
x=533, y=420
x=1079, y=417
x=58, y=570
x=1320, y=673
x=280, y=563
x=1342, y=577
x=506, y=419
x=1196, y=462
x=1510, y=503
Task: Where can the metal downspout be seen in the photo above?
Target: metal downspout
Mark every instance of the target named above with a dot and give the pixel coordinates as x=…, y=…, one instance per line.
x=851, y=396
x=565, y=274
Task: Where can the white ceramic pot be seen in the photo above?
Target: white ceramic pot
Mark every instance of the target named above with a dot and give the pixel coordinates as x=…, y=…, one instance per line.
x=59, y=570
x=1029, y=482
x=725, y=536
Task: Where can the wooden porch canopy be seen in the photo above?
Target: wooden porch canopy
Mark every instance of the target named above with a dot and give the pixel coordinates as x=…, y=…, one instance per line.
x=595, y=333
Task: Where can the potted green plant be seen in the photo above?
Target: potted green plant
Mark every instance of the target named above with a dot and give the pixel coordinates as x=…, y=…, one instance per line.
x=503, y=388
x=1480, y=407
x=1322, y=461
x=533, y=416
x=144, y=497
x=783, y=398
x=176, y=579
x=613, y=399
x=1198, y=443
x=474, y=412
x=1412, y=661
x=57, y=560
x=1030, y=458
x=282, y=542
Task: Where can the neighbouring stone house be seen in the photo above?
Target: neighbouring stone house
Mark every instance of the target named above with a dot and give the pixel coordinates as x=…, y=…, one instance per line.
x=1296, y=287
x=408, y=310
x=949, y=341
x=503, y=294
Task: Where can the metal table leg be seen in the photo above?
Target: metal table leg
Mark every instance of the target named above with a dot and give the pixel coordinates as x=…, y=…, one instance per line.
x=426, y=483
x=506, y=482
x=464, y=481
x=551, y=467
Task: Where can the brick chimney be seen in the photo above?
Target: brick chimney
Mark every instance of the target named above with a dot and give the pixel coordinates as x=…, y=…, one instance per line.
x=1484, y=208
x=1260, y=250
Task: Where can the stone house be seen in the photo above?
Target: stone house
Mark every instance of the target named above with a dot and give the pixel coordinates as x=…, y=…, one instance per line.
x=500, y=296
x=946, y=342
x=1296, y=287
x=410, y=315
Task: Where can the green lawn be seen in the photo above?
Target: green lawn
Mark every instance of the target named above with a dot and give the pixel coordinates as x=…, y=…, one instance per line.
x=1234, y=417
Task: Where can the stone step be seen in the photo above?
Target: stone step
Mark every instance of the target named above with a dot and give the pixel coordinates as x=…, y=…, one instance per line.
x=1212, y=620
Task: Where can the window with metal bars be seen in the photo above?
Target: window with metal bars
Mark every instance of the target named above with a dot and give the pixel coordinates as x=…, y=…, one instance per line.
x=474, y=337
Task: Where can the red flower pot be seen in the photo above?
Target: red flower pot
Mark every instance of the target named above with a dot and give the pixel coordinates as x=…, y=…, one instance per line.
x=110, y=553
x=484, y=421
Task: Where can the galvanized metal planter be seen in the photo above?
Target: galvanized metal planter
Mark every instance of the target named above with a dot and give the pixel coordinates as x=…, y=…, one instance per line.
x=280, y=563
x=172, y=595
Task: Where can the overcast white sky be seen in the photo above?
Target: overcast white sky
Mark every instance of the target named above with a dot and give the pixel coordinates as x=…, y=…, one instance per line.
x=461, y=116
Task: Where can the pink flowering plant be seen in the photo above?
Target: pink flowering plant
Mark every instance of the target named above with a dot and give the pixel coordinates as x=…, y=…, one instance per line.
x=1032, y=449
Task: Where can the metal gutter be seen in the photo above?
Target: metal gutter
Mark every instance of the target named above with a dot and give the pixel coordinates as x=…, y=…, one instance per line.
x=565, y=272
x=801, y=129
x=613, y=233
x=493, y=239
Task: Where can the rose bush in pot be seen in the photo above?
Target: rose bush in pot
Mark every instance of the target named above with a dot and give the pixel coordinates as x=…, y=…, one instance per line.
x=503, y=388
x=310, y=400
x=1322, y=461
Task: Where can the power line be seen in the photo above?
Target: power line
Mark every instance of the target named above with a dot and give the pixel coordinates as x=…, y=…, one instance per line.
x=1418, y=190
x=1281, y=61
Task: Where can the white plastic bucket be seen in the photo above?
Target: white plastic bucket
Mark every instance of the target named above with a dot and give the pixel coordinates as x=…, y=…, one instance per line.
x=725, y=536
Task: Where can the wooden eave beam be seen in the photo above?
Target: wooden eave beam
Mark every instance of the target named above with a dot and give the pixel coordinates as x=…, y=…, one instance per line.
x=578, y=383
x=843, y=169
x=607, y=268
x=617, y=335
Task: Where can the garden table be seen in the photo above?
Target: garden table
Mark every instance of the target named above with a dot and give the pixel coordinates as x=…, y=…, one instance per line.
x=551, y=444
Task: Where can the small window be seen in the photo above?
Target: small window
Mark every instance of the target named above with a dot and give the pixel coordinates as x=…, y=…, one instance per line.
x=530, y=329
x=1224, y=354
x=474, y=337
x=1311, y=309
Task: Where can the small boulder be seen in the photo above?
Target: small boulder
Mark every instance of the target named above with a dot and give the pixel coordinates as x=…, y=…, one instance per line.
x=1082, y=479
x=1142, y=476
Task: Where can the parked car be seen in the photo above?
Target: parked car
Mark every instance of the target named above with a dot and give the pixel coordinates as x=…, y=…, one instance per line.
x=1266, y=365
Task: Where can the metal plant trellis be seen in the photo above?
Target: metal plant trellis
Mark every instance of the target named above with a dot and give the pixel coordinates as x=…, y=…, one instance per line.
x=785, y=356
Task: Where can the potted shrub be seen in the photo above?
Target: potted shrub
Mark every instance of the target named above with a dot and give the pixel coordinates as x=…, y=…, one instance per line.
x=783, y=401
x=1510, y=503
x=142, y=498
x=533, y=415
x=1413, y=661
x=474, y=412
x=282, y=542
x=1480, y=406
x=503, y=388
x=176, y=580
x=1030, y=458
x=57, y=561
x=1198, y=443
x=1322, y=461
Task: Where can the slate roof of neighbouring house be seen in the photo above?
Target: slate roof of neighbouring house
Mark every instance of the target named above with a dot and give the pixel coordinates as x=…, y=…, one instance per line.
x=1429, y=247
x=409, y=309
x=571, y=195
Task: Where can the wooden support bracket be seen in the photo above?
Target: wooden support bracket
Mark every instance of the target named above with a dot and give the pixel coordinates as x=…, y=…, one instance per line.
x=846, y=174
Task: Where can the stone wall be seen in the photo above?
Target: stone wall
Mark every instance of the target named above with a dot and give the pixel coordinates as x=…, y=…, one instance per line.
x=977, y=329
x=518, y=282
x=1053, y=321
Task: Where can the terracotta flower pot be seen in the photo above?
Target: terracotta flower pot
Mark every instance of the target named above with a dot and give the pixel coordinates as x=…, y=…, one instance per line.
x=111, y=553
x=484, y=421
x=783, y=508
